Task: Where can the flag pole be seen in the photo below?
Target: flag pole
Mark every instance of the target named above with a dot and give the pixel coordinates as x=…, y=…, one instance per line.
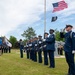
x=44, y=16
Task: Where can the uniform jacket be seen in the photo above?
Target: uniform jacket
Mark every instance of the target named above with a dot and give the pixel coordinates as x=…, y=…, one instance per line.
x=40, y=44
x=31, y=45
x=45, y=44
x=51, y=42
x=69, y=41
x=36, y=45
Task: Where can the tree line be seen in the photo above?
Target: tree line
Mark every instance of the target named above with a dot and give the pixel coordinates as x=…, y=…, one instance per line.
x=30, y=33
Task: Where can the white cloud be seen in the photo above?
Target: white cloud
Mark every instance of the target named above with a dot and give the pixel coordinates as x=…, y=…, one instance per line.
x=16, y=12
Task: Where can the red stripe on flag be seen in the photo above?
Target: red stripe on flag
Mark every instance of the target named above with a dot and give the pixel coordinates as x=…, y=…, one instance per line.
x=61, y=5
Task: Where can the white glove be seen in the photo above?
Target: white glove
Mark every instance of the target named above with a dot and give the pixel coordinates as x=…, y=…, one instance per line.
x=40, y=47
x=44, y=45
x=73, y=52
x=62, y=30
x=44, y=39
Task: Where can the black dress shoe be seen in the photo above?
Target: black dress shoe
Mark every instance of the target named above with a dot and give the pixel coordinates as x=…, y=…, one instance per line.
x=45, y=64
x=51, y=67
x=69, y=74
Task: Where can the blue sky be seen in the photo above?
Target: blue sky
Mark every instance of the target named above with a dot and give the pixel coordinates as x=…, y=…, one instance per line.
x=17, y=15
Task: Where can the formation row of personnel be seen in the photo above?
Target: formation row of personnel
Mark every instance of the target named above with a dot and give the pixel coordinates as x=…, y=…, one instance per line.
x=35, y=46
x=4, y=49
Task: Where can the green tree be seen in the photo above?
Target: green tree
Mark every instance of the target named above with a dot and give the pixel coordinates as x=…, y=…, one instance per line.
x=29, y=33
x=57, y=35
x=13, y=40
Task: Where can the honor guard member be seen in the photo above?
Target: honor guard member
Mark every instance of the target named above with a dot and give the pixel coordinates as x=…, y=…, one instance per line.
x=51, y=48
x=4, y=46
x=30, y=48
x=35, y=48
x=69, y=48
x=9, y=49
x=2, y=49
x=40, y=49
x=27, y=49
x=21, y=48
x=45, y=49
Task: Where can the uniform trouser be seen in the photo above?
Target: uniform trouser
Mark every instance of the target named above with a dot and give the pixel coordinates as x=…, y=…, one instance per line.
x=70, y=60
x=27, y=54
x=60, y=51
x=40, y=56
x=32, y=55
x=21, y=53
x=51, y=58
x=9, y=50
x=5, y=50
x=45, y=58
x=35, y=56
x=0, y=52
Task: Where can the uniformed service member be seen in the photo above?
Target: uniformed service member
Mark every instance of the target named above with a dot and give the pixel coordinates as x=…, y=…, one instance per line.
x=40, y=48
x=45, y=48
x=30, y=48
x=51, y=48
x=27, y=49
x=69, y=48
x=9, y=49
x=2, y=49
x=35, y=48
x=21, y=48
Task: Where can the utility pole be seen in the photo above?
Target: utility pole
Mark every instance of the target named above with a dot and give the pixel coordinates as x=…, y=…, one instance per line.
x=44, y=16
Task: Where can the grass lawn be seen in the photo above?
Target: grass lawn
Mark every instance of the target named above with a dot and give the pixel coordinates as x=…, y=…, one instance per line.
x=12, y=64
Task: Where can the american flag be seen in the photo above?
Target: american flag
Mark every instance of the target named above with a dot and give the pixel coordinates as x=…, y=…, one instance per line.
x=59, y=6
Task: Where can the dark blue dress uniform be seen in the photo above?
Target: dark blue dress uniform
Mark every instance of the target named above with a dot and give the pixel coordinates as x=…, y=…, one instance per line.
x=27, y=50
x=51, y=48
x=5, y=47
x=40, y=50
x=21, y=48
x=68, y=47
x=9, y=49
x=45, y=52
x=30, y=50
x=2, y=49
x=35, y=50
